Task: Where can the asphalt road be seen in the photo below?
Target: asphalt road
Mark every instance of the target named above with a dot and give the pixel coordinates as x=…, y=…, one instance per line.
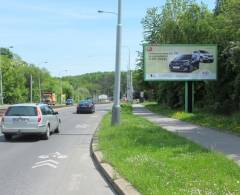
x=59, y=166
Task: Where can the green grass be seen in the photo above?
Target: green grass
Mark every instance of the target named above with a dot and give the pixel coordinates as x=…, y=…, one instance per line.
x=159, y=162
x=221, y=122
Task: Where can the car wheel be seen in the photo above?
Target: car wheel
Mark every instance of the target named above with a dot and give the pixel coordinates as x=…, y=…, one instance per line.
x=46, y=135
x=8, y=137
x=190, y=68
x=58, y=128
x=197, y=66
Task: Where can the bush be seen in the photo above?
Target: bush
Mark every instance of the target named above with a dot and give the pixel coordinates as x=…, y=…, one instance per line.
x=126, y=108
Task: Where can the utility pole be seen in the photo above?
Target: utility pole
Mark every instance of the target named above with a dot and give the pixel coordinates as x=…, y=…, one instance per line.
x=39, y=83
x=40, y=91
x=31, y=88
x=61, y=90
x=116, y=105
x=128, y=77
x=131, y=86
x=1, y=85
x=117, y=90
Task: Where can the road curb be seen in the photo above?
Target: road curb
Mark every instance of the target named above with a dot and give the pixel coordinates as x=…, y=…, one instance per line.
x=119, y=184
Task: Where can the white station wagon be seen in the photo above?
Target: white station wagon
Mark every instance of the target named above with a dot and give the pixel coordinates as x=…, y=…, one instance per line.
x=30, y=119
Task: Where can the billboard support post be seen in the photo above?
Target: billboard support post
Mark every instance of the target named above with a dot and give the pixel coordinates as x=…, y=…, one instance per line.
x=189, y=96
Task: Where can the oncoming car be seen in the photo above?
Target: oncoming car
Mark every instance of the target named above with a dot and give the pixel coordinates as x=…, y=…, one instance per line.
x=69, y=101
x=86, y=106
x=37, y=119
x=184, y=63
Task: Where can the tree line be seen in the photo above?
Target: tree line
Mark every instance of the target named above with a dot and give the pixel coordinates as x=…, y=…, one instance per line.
x=16, y=75
x=188, y=22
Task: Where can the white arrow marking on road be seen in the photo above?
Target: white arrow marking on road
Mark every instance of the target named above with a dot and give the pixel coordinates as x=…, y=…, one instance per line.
x=46, y=161
x=50, y=163
x=81, y=126
x=43, y=156
x=45, y=164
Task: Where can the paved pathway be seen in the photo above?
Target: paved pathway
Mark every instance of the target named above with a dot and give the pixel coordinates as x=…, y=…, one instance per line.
x=212, y=139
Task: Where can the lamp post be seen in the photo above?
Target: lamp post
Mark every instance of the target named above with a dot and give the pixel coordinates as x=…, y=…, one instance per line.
x=116, y=105
x=66, y=71
x=31, y=94
x=39, y=84
x=129, y=77
x=1, y=78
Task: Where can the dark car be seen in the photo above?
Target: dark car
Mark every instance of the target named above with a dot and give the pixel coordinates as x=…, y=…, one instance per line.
x=69, y=101
x=185, y=63
x=85, y=106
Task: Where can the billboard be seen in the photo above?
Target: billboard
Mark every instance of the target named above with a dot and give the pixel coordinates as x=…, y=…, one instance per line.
x=180, y=62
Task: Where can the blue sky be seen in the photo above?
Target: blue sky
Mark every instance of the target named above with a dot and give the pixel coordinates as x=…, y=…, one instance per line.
x=70, y=34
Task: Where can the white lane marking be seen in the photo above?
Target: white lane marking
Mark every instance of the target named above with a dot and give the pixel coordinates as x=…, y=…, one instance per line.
x=46, y=161
x=45, y=164
x=49, y=162
x=43, y=156
x=58, y=155
x=81, y=126
x=94, y=116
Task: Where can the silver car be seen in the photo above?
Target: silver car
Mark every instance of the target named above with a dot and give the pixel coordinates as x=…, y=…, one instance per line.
x=204, y=56
x=30, y=119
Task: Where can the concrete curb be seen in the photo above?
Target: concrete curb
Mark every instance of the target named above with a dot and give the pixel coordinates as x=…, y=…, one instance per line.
x=119, y=184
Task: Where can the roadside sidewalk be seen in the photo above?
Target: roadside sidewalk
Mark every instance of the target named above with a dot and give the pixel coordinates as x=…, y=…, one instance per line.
x=223, y=142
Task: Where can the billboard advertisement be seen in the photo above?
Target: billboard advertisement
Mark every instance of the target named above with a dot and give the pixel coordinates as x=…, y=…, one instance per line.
x=180, y=62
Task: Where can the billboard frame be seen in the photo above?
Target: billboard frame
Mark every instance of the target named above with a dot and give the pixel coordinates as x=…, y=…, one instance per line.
x=186, y=45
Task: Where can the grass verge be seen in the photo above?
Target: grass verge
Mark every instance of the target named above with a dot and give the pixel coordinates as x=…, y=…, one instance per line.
x=159, y=162
x=221, y=122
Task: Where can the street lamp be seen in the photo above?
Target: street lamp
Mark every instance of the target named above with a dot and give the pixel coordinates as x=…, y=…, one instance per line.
x=1, y=78
x=39, y=83
x=129, y=76
x=66, y=71
x=116, y=105
x=106, y=12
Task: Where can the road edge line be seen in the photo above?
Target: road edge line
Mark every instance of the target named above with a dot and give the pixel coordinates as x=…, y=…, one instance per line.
x=118, y=183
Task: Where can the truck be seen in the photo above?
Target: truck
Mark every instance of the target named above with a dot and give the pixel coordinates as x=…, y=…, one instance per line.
x=49, y=98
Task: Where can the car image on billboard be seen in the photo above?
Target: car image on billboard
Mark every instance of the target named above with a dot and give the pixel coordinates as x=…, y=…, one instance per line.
x=180, y=62
x=184, y=63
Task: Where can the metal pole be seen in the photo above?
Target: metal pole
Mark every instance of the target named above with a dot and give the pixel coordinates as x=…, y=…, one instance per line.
x=1, y=81
x=186, y=96
x=31, y=88
x=61, y=90
x=189, y=96
x=116, y=104
x=1, y=85
x=128, y=76
x=193, y=99
x=131, y=87
x=40, y=91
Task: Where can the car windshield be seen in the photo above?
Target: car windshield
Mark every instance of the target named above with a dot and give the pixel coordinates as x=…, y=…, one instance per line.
x=202, y=51
x=21, y=111
x=184, y=57
x=84, y=102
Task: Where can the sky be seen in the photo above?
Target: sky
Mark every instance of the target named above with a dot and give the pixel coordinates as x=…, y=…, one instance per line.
x=70, y=35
